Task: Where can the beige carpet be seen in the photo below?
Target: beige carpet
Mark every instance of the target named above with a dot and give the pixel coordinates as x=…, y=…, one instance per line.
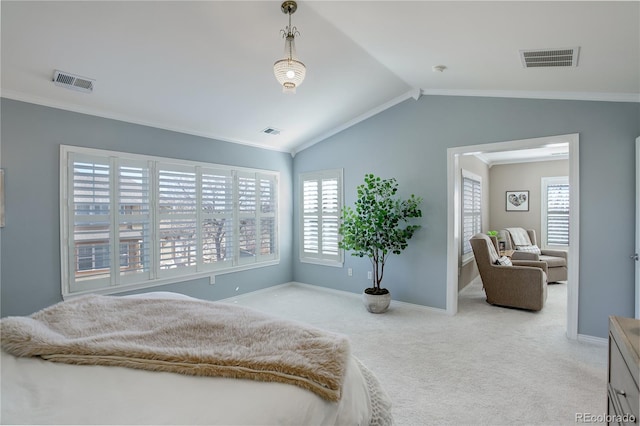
x=485, y=365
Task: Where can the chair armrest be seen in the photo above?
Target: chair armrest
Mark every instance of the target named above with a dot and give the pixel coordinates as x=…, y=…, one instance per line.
x=534, y=263
x=524, y=255
x=518, y=286
x=555, y=253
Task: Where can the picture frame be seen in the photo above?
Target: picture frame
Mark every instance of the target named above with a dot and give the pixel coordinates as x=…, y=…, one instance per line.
x=517, y=201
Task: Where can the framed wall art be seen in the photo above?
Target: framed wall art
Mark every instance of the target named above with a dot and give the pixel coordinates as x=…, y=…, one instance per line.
x=517, y=201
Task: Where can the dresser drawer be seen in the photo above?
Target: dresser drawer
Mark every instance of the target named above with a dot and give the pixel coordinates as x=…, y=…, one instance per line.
x=623, y=388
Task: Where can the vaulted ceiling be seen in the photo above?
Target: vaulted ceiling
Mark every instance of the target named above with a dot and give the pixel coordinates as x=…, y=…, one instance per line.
x=205, y=67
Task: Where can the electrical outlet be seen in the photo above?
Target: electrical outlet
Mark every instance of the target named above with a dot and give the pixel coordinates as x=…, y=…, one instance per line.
x=212, y=279
x=369, y=275
x=350, y=272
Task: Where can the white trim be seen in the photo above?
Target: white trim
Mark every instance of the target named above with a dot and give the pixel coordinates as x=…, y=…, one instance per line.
x=374, y=111
x=234, y=299
x=600, y=341
x=415, y=93
x=156, y=277
x=466, y=257
x=636, y=261
x=23, y=97
x=545, y=181
x=453, y=214
x=169, y=280
x=318, y=175
x=453, y=227
x=573, y=302
x=570, y=96
x=359, y=296
x=320, y=262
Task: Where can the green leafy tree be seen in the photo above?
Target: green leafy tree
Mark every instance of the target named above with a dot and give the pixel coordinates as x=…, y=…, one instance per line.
x=377, y=226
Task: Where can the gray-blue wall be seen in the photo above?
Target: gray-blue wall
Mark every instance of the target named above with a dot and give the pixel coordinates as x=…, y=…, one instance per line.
x=31, y=139
x=410, y=141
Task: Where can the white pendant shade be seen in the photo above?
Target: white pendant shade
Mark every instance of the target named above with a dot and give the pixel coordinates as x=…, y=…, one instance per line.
x=289, y=71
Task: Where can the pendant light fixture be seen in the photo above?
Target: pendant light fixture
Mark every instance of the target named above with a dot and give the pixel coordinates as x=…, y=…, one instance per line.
x=289, y=71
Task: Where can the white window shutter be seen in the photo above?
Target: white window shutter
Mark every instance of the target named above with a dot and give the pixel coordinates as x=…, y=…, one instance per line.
x=320, y=211
x=135, y=221
x=471, y=209
x=556, y=211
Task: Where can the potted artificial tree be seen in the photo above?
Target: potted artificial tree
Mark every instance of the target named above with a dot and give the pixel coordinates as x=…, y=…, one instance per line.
x=376, y=228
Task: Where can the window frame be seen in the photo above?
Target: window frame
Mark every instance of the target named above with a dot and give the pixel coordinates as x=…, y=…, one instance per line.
x=465, y=174
x=544, y=237
x=116, y=281
x=321, y=258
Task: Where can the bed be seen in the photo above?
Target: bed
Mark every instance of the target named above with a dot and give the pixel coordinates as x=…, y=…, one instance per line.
x=70, y=371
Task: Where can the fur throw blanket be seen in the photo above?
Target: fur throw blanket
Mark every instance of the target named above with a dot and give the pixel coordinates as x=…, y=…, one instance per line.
x=183, y=336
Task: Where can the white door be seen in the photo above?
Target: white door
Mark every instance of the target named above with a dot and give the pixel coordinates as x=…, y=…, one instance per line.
x=637, y=262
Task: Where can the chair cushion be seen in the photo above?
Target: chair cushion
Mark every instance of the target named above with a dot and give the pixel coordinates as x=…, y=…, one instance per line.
x=553, y=261
x=529, y=249
x=519, y=236
x=504, y=261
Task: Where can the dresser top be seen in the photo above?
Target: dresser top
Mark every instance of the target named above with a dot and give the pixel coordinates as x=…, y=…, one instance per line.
x=630, y=329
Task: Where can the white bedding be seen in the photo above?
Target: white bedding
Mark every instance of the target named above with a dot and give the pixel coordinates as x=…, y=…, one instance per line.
x=34, y=391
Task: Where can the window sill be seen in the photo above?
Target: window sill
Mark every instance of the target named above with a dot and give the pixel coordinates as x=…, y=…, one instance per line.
x=167, y=280
x=331, y=263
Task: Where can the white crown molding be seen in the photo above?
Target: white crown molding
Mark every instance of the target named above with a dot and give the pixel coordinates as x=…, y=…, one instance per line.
x=19, y=96
x=570, y=96
x=414, y=93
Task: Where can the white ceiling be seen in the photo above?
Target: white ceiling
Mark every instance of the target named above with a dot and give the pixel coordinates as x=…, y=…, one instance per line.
x=205, y=67
x=545, y=152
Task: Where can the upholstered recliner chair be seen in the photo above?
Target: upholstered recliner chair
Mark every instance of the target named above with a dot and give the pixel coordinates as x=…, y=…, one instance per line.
x=526, y=248
x=523, y=284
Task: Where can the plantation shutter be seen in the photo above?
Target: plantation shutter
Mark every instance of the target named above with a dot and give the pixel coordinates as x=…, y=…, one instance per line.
x=268, y=221
x=134, y=219
x=557, y=214
x=247, y=224
x=217, y=219
x=91, y=221
x=177, y=227
x=471, y=210
x=321, y=206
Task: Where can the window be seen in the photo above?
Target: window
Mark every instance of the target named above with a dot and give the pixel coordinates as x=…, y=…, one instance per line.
x=471, y=210
x=555, y=211
x=132, y=221
x=320, y=210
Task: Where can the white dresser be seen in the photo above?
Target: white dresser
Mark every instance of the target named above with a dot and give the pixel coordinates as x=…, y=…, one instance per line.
x=624, y=371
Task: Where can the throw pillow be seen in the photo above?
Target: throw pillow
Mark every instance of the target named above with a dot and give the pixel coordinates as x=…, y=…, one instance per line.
x=504, y=261
x=531, y=249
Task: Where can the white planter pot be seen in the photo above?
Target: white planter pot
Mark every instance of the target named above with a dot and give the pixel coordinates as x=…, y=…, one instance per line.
x=376, y=303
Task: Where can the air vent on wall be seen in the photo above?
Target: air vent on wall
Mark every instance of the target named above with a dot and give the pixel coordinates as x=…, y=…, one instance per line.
x=271, y=131
x=74, y=82
x=542, y=58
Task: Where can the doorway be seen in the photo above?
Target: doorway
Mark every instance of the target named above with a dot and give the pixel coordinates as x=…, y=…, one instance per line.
x=453, y=213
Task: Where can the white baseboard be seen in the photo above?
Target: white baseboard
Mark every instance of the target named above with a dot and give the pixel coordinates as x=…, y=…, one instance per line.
x=356, y=295
x=584, y=338
x=253, y=293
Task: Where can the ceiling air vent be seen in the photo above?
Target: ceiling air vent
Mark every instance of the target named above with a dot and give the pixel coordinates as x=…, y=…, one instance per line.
x=543, y=58
x=74, y=82
x=271, y=131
